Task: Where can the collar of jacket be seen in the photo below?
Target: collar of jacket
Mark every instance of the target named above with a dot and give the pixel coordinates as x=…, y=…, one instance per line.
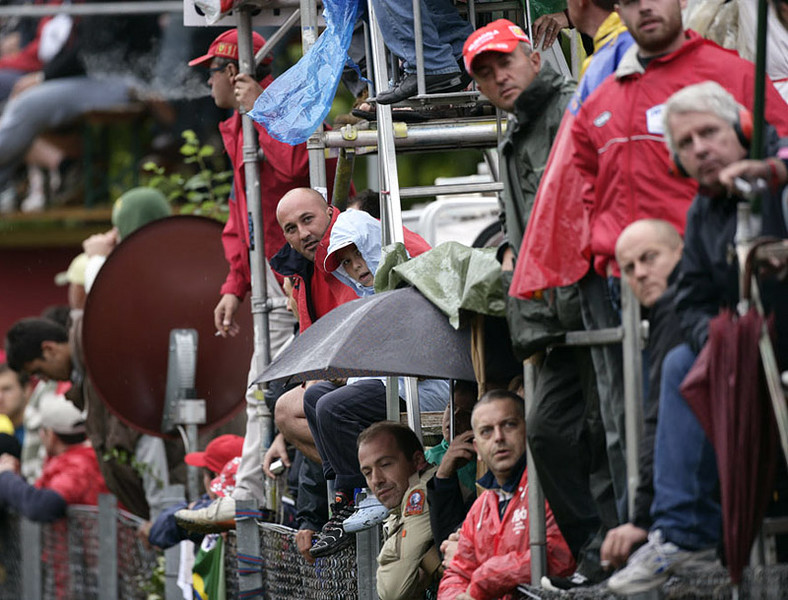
x=609, y=30
x=489, y=482
x=536, y=97
x=419, y=476
x=287, y=262
x=630, y=65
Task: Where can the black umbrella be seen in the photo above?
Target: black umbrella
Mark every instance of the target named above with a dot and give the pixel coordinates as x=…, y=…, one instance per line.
x=392, y=333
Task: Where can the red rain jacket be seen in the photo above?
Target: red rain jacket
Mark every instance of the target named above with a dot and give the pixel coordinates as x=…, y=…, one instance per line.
x=621, y=156
x=494, y=556
x=284, y=167
x=75, y=475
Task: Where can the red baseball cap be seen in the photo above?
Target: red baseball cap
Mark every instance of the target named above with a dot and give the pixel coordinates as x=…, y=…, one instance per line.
x=226, y=46
x=499, y=36
x=218, y=453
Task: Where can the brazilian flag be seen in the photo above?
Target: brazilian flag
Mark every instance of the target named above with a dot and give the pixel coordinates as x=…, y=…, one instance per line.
x=208, y=572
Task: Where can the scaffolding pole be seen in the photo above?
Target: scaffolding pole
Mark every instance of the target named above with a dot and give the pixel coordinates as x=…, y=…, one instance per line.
x=248, y=535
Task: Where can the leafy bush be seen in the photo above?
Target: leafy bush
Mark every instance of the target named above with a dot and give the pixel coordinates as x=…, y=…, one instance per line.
x=202, y=188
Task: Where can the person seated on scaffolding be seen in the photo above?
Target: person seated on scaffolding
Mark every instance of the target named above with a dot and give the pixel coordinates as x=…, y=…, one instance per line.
x=393, y=463
x=337, y=414
x=305, y=218
x=282, y=169
x=71, y=472
x=706, y=131
x=648, y=252
x=493, y=554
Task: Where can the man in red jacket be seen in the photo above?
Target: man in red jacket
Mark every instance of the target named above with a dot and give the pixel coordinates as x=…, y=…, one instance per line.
x=282, y=168
x=621, y=156
x=71, y=473
x=494, y=554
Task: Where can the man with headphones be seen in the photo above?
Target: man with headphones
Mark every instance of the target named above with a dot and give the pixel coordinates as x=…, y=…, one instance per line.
x=708, y=134
x=620, y=154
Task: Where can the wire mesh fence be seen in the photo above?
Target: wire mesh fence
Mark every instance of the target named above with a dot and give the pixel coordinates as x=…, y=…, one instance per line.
x=70, y=562
x=287, y=576
x=10, y=557
x=70, y=557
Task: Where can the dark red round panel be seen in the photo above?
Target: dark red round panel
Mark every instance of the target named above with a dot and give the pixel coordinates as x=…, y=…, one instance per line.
x=164, y=276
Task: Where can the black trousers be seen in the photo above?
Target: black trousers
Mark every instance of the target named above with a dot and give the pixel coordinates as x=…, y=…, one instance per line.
x=567, y=441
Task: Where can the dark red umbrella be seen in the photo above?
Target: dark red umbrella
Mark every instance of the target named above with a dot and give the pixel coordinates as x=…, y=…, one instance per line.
x=726, y=390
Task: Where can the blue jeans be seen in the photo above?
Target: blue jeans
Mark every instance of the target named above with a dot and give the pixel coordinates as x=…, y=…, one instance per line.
x=686, y=486
x=336, y=415
x=51, y=104
x=444, y=32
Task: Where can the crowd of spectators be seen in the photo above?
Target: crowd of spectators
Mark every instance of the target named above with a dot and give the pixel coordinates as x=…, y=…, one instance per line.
x=629, y=177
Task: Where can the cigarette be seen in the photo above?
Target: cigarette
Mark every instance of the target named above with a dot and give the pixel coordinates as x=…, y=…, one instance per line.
x=217, y=334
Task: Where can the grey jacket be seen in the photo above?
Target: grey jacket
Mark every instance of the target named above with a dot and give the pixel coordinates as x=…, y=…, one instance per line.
x=525, y=148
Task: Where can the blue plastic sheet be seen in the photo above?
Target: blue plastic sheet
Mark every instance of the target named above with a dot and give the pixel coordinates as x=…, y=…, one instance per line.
x=295, y=104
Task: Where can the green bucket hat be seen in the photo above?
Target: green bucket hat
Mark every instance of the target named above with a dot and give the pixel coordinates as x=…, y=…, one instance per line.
x=137, y=207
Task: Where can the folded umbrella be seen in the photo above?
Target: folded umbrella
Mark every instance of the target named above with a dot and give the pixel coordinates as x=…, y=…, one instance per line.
x=726, y=390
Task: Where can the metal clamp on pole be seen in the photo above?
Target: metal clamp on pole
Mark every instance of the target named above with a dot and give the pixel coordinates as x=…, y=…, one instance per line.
x=181, y=410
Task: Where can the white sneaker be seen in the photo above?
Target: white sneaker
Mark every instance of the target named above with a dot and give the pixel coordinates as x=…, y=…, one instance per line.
x=218, y=516
x=369, y=512
x=652, y=564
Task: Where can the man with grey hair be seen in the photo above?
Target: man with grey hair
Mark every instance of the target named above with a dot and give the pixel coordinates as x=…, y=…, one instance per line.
x=620, y=154
x=706, y=133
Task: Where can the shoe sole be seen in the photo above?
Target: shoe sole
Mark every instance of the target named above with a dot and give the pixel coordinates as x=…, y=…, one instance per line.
x=202, y=527
x=332, y=549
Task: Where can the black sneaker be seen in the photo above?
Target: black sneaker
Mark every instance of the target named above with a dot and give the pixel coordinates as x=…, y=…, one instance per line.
x=332, y=537
x=575, y=580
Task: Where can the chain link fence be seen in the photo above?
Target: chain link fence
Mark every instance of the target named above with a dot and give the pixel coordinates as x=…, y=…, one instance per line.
x=72, y=555
x=71, y=560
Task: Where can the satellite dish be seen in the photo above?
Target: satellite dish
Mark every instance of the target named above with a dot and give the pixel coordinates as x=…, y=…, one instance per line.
x=164, y=276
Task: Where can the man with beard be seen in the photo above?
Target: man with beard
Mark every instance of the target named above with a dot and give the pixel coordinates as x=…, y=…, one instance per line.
x=621, y=155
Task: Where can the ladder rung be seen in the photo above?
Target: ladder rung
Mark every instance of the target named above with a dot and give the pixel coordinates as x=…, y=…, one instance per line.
x=611, y=335
x=459, y=133
x=458, y=188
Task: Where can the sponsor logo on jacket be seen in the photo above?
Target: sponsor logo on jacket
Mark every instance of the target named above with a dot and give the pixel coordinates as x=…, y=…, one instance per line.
x=519, y=519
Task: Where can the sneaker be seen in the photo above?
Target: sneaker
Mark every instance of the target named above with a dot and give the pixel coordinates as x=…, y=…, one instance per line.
x=652, y=564
x=369, y=513
x=218, y=516
x=332, y=538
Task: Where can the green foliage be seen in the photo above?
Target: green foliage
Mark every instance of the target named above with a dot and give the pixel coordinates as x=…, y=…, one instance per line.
x=200, y=187
x=154, y=586
x=124, y=457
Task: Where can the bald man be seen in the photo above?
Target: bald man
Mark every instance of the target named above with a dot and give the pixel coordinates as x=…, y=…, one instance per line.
x=305, y=218
x=648, y=252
